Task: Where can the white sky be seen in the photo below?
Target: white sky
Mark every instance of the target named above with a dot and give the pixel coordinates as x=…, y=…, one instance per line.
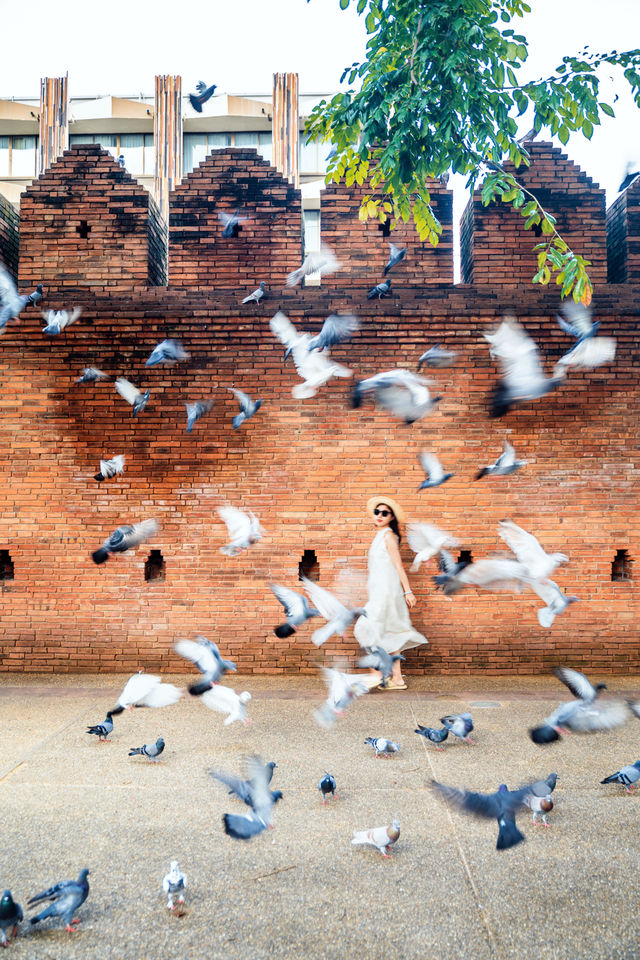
x=118, y=47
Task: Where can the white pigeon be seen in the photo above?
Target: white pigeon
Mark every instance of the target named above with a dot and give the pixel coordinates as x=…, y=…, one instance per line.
x=338, y=616
x=318, y=261
x=226, y=700
x=174, y=882
x=426, y=540
x=343, y=690
x=243, y=528
x=131, y=394
x=522, y=376
x=147, y=690
x=556, y=601
x=57, y=320
x=489, y=573
x=314, y=366
x=403, y=393
x=528, y=550
x=381, y=837
x=587, y=354
x=109, y=468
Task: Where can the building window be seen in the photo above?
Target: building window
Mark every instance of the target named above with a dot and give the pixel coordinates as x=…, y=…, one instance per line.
x=313, y=157
x=155, y=568
x=23, y=156
x=309, y=566
x=621, y=566
x=311, y=230
x=136, y=148
x=4, y=156
x=6, y=565
x=198, y=146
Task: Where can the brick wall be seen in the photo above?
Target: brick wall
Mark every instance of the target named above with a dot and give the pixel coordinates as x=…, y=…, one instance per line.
x=9, y=236
x=623, y=236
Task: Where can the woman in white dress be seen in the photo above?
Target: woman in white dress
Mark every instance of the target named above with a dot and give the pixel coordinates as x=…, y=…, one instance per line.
x=387, y=623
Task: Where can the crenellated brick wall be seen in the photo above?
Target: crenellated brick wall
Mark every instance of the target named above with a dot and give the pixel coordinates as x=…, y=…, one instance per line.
x=9, y=236
x=623, y=236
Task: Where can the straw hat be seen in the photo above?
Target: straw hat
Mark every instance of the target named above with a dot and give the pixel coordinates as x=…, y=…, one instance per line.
x=373, y=502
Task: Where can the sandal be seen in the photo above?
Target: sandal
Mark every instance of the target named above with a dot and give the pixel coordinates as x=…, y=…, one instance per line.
x=392, y=685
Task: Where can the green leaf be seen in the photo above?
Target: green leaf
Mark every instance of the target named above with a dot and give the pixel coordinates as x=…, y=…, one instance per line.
x=344, y=4
x=547, y=228
x=607, y=109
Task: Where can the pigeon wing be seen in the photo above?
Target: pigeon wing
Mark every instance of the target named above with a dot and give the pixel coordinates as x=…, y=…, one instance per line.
x=162, y=695
x=590, y=718
x=431, y=466
x=238, y=523
x=325, y=602
x=487, y=805
x=221, y=699
x=577, y=683
x=202, y=656
x=127, y=390
x=292, y=602
x=136, y=688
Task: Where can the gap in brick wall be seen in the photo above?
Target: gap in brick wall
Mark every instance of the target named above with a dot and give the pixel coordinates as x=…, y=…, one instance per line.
x=6, y=565
x=385, y=228
x=83, y=229
x=309, y=566
x=155, y=567
x=621, y=566
x=465, y=557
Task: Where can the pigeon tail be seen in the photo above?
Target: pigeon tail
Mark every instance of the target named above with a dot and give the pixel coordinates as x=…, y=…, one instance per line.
x=195, y=103
x=500, y=402
x=508, y=835
x=238, y=420
x=544, y=734
x=197, y=689
x=100, y=555
x=99, y=477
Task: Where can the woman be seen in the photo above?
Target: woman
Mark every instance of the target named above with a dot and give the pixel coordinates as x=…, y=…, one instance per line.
x=387, y=623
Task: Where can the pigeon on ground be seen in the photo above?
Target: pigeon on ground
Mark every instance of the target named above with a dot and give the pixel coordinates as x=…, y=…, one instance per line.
x=296, y=607
x=91, y=375
x=197, y=410
x=225, y=700
x=204, y=93
x=426, y=540
x=437, y=357
x=169, y=351
x=174, y=883
x=587, y=355
x=318, y=261
x=102, y=730
x=337, y=328
x=577, y=321
x=146, y=690
x=504, y=465
x=460, y=725
x=627, y=776
x=522, y=377
x=539, y=805
x=261, y=801
x=382, y=746
x=11, y=302
x=433, y=469
x=396, y=256
x=314, y=366
x=149, y=750
x=403, y=393
x=10, y=917
x=132, y=395
x=502, y=805
x=109, y=468
x=124, y=538
x=556, y=601
x=247, y=407
x=378, y=659
x=434, y=736
x=339, y=617
x=242, y=788
x=65, y=898
x=382, y=289
x=327, y=786
x=231, y=223
x=489, y=573
x=381, y=837
x=582, y=715
x=257, y=294
x=544, y=788
x=205, y=654
x=244, y=530
x=343, y=690
x=57, y=320
x=527, y=549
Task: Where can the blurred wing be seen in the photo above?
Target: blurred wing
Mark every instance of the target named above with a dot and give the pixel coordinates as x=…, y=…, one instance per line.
x=339, y=327
x=243, y=399
x=238, y=786
x=592, y=718
x=198, y=654
x=127, y=390
x=477, y=804
x=222, y=699
x=283, y=329
x=525, y=546
x=431, y=466
x=162, y=695
x=590, y=353
x=426, y=536
x=578, y=318
x=8, y=291
x=290, y=600
x=326, y=603
x=577, y=683
x=143, y=531
x=494, y=574
x=261, y=799
x=238, y=523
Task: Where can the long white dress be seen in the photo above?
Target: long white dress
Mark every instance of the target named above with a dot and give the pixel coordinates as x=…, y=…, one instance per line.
x=387, y=623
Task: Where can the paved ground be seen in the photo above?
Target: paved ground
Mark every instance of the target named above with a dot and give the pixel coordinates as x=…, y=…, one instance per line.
x=302, y=890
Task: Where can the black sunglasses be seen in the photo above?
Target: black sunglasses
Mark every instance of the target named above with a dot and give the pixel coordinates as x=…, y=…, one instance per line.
x=382, y=513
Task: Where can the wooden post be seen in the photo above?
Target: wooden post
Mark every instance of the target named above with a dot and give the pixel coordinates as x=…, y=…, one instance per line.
x=54, y=120
x=167, y=137
x=286, y=126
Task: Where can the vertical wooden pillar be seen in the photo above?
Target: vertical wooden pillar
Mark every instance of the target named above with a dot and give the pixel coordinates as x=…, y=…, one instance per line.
x=54, y=120
x=167, y=138
x=286, y=126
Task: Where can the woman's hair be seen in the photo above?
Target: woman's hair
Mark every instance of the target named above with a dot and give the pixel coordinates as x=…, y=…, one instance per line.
x=393, y=525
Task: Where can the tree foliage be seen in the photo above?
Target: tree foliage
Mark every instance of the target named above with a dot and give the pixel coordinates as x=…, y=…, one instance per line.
x=439, y=91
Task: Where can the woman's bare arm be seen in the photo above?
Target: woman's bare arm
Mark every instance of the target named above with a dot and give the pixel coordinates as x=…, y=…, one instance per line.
x=394, y=552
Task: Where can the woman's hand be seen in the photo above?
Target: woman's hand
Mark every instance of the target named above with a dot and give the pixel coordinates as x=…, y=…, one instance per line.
x=410, y=598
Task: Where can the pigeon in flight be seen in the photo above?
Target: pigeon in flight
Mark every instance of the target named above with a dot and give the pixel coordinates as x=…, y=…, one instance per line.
x=318, y=261
x=204, y=93
x=65, y=899
x=437, y=357
x=343, y=690
x=381, y=837
x=296, y=607
x=631, y=173
x=146, y=690
x=577, y=321
x=124, y=538
x=10, y=917
x=102, y=730
x=460, y=725
x=556, y=601
x=169, y=352
x=151, y=751
x=382, y=746
x=244, y=530
x=436, y=737
x=522, y=377
x=504, y=465
x=433, y=469
x=11, y=302
x=528, y=550
x=314, y=366
x=426, y=540
x=242, y=788
x=626, y=776
x=377, y=658
x=501, y=806
x=132, y=395
x=338, y=616
x=327, y=787
x=336, y=328
x=231, y=222
x=587, y=355
x=257, y=294
x=582, y=715
x=403, y=393
x=91, y=375
x=197, y=410
x=382, y=289
x=174, y=882
x=248, y=407
x=489, y=573
x=57, y=320
x=396, y=256
x=225, y=700
x=205, y=654
x=109, y=468
x=261, y=801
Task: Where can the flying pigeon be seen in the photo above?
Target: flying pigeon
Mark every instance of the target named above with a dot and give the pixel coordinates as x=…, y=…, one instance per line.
x=318, y=261
x=132, y=395
x=522, y=377
x=426, y=540
x=10, y=917
x=528, y=550
x=504, y=465
x=433, y=469
x=257, y=294
x=314, y=366
x=327, y=786
x=102, y=730
x=57, y=320
x=434, y=736
x=146, y=690
x=338, y=616
x=197, y=410
x=11, y=302
x=65, y=898
x=627, y=776
x=242, y=788
x=403, y=393
x=502, y=806
x=343, y=690
x=91, y=374
x=244, y=530
x=206, y=656
x=231, y=223
x=382, y=289
x=151, y=751
x=109, y=468
x=556, y=601
x=204, y=93
x=226, y=700
x=587, y=355
x=169, y=351
x=247, y=407
x=381, y=837
x=582, y=715
x=377, y=658
x=631, y=173
x=437, y=357
x=396, y=256
x=261, y=801
x=460, y=725
x=174, y=883
x=382, y=746
x=577, y=321
x=337, y=328
x=296, y=607
x=449, y=566
x=489, y=573
x=124, y=538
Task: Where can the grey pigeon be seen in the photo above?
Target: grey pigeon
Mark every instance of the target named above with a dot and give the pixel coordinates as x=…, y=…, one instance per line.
x=396, y=256
x=436, y=737
x=149, y=750
x=91, y=375
x=174, y=883
x=501, y=806
x=382, y=746
x=522, y=377
x=102, y=730
x=626, y=776
x=109, y=468
x=10, y=917
x=205, y=654
x=437, y=357
x=338, y=615
x=539, y=800
x=378, y=659
x=204, y=93
x=317, y=261
x=169, y=351
x=577, y=321
x=257, y=295
x=65, y=898
x=314, y=366
x=231, y=223
x=11, y=302
x=581, y=715
x=261, y=801
x=242, y=788
x=58, y=320
x=630, y=175
x=124, y=538
x=403, y=393
x=556, y=601
x=248, y=407
x=433, y=469
x=337, y=328
x=382, y=289
x=197, y=410
x=343, y=689
x=132, y=395
x=460, y=725
x=244, y=530
x=504, y=465
x=296, y=607
x=327, y=787
x=36, y=296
